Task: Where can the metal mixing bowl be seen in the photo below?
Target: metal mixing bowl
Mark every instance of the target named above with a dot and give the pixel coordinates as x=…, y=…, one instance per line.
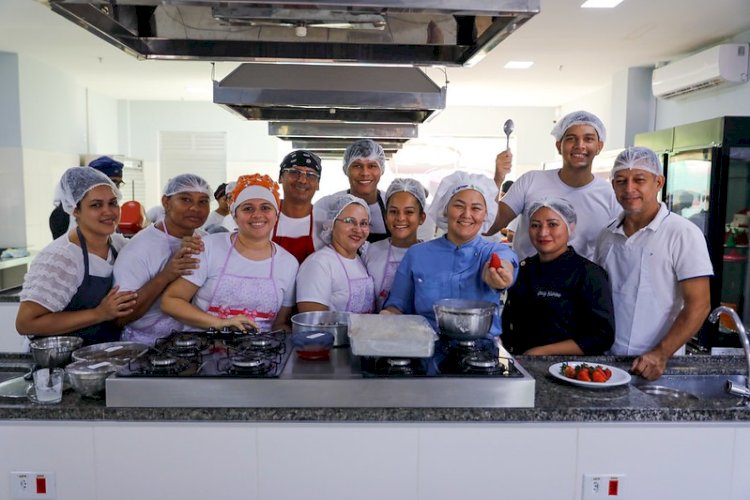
x=464, y=319
x=54, y=351
x=88, y=378
x=335, y=322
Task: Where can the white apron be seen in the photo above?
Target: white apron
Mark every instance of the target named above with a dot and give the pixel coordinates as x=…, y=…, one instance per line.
x=361, y=290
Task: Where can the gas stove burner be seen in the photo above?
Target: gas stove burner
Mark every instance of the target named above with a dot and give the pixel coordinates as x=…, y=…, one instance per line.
x=186, y=341
x=259, y=343
x=388, y=367
x=482, y=362
x=463, y=348
x=467, y=344
x=162, y=361
x=398, y=362
x=245, y=364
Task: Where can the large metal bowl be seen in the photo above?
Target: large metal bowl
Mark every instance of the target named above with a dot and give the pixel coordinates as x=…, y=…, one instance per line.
x=88, y=378
x=335, y=322
x=54, y=351
x=464, y=319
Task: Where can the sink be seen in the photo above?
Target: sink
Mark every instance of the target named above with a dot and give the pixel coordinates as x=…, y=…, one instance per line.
x=690, y=387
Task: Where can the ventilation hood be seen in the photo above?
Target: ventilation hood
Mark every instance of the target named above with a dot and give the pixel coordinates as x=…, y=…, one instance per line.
x=384, y=32
x=286, y=92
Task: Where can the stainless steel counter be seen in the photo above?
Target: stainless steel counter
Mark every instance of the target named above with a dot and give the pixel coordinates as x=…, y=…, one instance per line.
x=323, y=384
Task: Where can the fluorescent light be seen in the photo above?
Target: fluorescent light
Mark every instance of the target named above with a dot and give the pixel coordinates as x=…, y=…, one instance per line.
x=600, y=4
x=518, y=64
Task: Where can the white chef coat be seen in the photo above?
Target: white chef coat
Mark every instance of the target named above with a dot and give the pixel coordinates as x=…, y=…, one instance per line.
x=645, y=271
x=595, y=205
x=322, y=279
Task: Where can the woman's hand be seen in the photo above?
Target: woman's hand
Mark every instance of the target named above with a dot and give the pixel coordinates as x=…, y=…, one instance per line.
x=240, y=322
x=182, y=263
x=499, y=278
x=116, y=304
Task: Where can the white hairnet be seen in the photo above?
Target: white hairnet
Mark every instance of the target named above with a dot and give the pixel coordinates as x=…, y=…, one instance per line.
x=364, y=149
x=328, y=215
x=561, y=206
x=579, y=118
x=411, y=186
x=461, y=181
x=187, y=183
x=639, y=158
x=76, y=182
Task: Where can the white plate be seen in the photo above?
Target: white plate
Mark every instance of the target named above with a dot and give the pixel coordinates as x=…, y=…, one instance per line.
x=619, y=376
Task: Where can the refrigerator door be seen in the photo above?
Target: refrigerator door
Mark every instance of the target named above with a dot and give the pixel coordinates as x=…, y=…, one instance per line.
x=688, y=186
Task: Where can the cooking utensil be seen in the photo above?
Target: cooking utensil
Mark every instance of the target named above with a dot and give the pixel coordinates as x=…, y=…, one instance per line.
x=119, y=353
x=51, y=352
x=334, y=322
x=88, y=378
x=464, y=319
x=508, y=127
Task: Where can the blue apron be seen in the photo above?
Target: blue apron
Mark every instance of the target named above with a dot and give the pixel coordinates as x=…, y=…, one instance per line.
x=91, y=292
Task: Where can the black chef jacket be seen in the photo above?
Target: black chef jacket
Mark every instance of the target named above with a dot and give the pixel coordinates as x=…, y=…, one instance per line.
x=569, y=298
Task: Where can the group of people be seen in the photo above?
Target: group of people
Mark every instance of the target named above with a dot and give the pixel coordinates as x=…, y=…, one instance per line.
x=594, y=267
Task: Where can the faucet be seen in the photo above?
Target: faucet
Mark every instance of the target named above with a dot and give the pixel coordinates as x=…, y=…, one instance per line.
x=730, y=387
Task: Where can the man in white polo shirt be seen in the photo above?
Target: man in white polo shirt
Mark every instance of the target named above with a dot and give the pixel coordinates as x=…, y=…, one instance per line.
x=658, y=265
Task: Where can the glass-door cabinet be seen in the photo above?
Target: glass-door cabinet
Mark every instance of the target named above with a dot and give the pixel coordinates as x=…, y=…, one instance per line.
x=707, y=169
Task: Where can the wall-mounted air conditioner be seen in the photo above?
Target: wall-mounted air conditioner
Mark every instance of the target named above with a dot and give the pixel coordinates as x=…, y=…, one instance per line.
x=720, y=65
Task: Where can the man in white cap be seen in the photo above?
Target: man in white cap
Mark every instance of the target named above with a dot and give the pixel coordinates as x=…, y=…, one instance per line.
x=658, y=265
x=579, y=137
x=364, y=163
x=156, y=256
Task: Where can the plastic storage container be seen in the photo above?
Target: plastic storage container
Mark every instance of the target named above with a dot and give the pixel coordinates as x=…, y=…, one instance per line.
x=313, y=345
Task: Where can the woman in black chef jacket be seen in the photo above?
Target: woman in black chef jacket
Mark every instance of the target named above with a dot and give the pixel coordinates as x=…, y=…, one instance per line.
x=68, y=288
x=561, y=302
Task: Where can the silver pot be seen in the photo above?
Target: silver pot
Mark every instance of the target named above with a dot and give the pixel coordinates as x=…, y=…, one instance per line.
x=89, y=378
x=464, y=319
x=51, y=352
x=335, y=322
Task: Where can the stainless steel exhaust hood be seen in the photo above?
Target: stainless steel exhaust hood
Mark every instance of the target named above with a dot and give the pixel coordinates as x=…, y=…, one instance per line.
x=286, y=92
x=395, y=32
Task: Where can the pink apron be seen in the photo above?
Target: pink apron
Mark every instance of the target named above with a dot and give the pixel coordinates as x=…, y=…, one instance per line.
x=253, y=297
x=361, y=290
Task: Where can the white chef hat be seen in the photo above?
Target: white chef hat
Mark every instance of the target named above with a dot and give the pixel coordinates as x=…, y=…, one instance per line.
x=579, y=118
x=639, y=158
x=76, y=182
x=328, y=214
x=411, y=186
x=461, y=181
x=561, y=206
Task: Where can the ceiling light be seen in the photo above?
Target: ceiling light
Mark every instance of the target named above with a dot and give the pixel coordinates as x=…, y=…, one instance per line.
x=518, y=64
x=600, y=4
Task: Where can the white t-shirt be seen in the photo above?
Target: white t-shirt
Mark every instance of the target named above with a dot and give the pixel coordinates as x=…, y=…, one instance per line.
x=213, y=219
x=57, y=271
x=645, y=271
x=321, y=213
x=595, y=205
x=212, y=262
x=145, y=257
x=322, y=279
x=376, y=261
x=293, y=227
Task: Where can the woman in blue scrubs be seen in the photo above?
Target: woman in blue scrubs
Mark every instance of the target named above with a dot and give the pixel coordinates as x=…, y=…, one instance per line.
x=456, y=265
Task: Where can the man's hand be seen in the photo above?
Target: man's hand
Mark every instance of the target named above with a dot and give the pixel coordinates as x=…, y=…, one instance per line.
x=650, y=365
x=503, y=164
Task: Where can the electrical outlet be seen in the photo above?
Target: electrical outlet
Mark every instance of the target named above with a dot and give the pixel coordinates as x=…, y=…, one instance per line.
x=601, y=486
x=32, y=485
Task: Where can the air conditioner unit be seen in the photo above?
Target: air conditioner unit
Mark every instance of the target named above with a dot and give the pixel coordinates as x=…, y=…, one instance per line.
x=720, y=65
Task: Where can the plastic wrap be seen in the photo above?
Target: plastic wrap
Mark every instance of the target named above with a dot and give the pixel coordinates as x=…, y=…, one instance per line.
x=391, y=335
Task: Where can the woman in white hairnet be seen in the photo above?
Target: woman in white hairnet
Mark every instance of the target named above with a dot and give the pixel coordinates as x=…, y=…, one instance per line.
x=158, y=255
x=334, y=278
x=457, y=265
x=561, y=303
x=68, y=288
x=364, y=164
x=244, y=281
x=405, y=203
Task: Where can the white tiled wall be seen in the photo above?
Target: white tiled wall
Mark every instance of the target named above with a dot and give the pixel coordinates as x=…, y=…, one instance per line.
x=12, y=229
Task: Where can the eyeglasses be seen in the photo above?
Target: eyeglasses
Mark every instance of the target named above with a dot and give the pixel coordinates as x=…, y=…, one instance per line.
x=295, y=174
x=352, y=222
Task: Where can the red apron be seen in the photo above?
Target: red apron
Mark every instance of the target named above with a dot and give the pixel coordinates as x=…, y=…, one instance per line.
x=300, y=247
